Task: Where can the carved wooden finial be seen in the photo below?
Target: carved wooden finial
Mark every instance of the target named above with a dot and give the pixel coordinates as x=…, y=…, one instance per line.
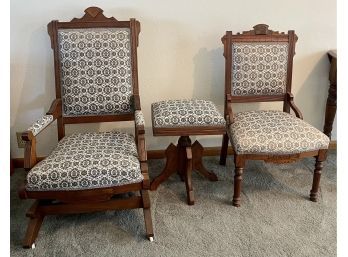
x=261, y=29
x=93, y=11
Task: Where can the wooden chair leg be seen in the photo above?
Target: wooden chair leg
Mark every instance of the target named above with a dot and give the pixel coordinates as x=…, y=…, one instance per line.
x=36, y=219
x=224, y=148
x=32, y=231
x=237, y=186
x=188, y=177
x=316, y=176
x=147, y=214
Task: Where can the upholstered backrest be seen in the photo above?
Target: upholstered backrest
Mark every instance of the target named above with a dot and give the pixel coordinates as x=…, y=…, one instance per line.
x=258, y=64
x=95, y=71
x=259, y=68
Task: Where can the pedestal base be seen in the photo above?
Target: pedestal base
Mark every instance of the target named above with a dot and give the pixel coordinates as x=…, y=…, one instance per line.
x=183, y=159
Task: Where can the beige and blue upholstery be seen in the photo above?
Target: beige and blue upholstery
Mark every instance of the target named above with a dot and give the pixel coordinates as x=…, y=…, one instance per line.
x=259, y=68
x=40, y=124
x=186, y=113
x=88, y=160
x=96, y=73
x=274, y=132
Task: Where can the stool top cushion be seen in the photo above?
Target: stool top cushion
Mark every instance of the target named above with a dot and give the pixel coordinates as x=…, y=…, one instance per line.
x=274, y=132
x=88, y=160
x=186, y=113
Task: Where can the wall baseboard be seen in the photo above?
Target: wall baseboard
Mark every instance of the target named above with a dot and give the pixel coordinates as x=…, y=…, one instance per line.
x=159, y=154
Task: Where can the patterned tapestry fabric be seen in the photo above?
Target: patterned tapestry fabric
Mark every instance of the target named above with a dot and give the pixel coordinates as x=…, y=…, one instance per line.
x=40, y=124
x=259, y=68
x=96, y=74
x=88, y=160
x=274, y=132
x=186, y=113
x=139, y=118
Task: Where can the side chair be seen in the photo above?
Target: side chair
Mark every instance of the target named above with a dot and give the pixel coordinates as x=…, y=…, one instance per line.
x=96, y=80
x=258, y=68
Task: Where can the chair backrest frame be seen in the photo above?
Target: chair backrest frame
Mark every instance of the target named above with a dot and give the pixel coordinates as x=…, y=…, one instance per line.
x=260, y=34
x=94, y=18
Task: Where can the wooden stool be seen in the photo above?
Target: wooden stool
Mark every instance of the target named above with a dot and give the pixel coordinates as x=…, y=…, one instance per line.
x=177, y=118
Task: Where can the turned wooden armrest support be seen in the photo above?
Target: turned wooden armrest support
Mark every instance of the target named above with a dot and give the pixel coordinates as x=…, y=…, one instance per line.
x=142, y=155
x=29, y=136
x=290, y=100
x=55, y=109
x=229, y=113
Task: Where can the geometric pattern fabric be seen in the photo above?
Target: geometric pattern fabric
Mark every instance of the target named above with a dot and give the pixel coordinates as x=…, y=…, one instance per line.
x=40, y=124
x=274, y=132
x=96, y=74
x=186, y=113
x=259, y=68
x=88, y=160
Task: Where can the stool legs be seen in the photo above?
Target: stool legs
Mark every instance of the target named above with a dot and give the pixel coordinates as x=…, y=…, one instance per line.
x=172, y=156
x=197, y=152
x=183, y=159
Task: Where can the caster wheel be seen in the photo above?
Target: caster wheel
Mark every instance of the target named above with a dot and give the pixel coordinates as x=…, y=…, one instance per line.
x=33, y=246
x=151, y=238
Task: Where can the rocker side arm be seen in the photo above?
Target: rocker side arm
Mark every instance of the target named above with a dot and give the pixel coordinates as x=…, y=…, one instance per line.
x=290, y=100
x=29, y=136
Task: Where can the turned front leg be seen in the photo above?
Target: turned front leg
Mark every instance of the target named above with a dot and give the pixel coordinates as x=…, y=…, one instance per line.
x=239, y=163
x=316, y=181
x=317, y=173
x=237, y=186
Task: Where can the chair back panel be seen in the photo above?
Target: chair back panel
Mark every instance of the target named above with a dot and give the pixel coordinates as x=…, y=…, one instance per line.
x=259, y=68
x=95, y=71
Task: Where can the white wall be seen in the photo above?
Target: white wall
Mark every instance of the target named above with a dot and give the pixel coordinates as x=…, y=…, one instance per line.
x=180, y=55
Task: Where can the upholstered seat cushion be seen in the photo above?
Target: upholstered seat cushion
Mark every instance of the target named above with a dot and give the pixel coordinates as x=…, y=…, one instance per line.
x=88, y=160
x=274, y=132
x=186, y=113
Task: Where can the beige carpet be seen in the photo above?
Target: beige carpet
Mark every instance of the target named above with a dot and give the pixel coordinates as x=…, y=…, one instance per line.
x=276, y=218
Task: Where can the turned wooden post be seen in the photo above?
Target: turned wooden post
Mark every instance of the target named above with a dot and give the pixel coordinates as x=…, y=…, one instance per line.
x=316, y=180
x=331, y=103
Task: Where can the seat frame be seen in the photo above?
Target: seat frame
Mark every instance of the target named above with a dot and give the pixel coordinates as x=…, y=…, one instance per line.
x=261, y=33
x=91, y=200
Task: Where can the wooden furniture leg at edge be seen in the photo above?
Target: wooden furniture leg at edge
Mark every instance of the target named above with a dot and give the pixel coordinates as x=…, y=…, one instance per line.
x=317, y=174
x=239, y=168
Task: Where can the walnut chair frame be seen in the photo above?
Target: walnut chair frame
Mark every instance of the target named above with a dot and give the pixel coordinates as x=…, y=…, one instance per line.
x=259, y=34
x=90, y=200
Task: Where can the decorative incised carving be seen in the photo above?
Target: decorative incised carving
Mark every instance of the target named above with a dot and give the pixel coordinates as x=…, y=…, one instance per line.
x=282, y=158
x=261, y=29
x=93, y=14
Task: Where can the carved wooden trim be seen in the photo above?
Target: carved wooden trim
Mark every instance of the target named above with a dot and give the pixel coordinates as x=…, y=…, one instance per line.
x=93, y=14
x=261, y=29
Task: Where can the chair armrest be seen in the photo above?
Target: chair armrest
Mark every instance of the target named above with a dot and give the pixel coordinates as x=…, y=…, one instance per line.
x=40, y=124
x=139, y=122
x=290, y=99
x=29, y=136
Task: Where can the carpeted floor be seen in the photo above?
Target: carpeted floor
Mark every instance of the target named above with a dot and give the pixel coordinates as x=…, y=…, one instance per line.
x=276, y=218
